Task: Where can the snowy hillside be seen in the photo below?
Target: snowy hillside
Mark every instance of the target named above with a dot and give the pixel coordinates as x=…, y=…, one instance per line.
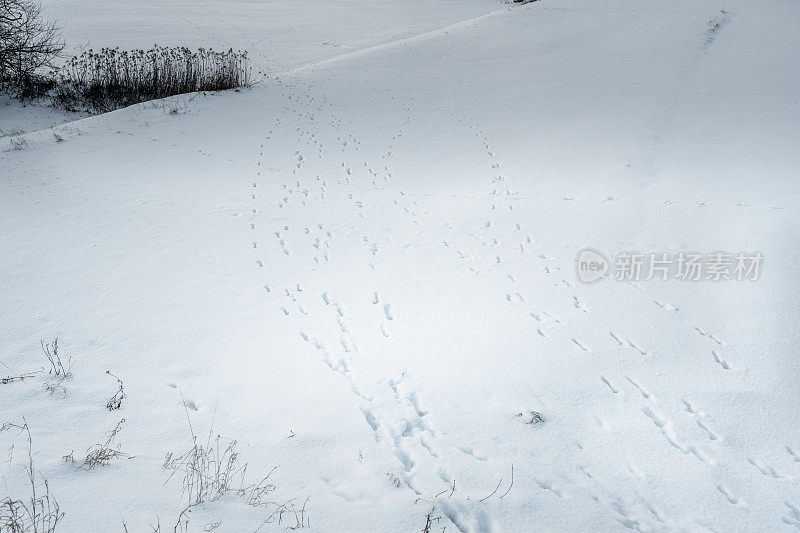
x=363, y=269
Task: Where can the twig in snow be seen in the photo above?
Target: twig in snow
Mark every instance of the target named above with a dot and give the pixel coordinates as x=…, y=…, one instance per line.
x=429, y=520
x=495, y=490
x=20, y=377
x=116, y=401
x=512, y=482
x=452, y=490
x=57, y=367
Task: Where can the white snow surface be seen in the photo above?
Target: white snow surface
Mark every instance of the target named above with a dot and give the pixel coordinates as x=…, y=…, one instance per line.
x=362, y=268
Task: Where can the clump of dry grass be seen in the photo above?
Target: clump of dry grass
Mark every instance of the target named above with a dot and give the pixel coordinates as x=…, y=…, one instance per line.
x=212, y=469
x=113, y=78
x=37, y=512
x=57, y=369
x=103, y=454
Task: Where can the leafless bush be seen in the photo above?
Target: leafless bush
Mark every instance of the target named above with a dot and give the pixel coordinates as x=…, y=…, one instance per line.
x=103, y=454
x=113, y=78
x=37, y=512
x=28, y=45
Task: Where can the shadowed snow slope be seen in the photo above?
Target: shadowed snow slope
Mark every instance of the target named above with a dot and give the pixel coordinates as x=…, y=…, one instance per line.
x=363, y=268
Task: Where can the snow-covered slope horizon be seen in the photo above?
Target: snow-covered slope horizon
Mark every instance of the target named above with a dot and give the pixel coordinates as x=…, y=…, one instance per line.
x=363, y=268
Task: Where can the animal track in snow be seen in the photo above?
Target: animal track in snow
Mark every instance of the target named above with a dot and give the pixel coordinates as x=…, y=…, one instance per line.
x=722, y=361
x=548, y=485
x=645, y=393
x=728, y=495
x=471, y=452
x=544, y=316
x=666, y=430
x=666, y=306
x=766, y=470
x=715, y=25
x=580, y=345
x=793, y=520
x=700, y=419
x=622, y=341
x=578, y=304
x=610, y=386
x=792, y=454
x=709, y=335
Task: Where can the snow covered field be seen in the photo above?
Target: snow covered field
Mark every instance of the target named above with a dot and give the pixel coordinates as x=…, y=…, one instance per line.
x=363, y=268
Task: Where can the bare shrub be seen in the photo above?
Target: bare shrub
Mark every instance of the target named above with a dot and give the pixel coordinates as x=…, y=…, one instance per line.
x=37, y=512
x=28, y=45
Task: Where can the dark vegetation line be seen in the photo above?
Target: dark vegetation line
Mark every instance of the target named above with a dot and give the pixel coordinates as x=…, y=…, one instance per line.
x=111, y=78
x=107, y=79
